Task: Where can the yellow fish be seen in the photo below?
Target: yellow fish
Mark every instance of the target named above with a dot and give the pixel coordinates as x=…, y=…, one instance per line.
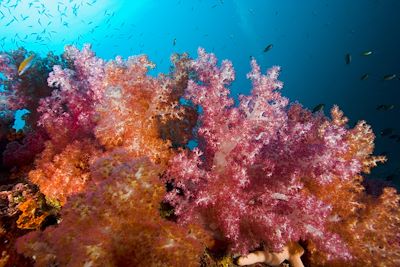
x=25, y=65
x=367, y=53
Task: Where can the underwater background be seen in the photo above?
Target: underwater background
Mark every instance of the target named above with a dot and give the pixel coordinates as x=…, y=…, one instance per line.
x=56, y=169
x=309, y=41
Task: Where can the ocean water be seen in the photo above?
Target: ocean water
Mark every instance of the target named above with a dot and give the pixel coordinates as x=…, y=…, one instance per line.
x=310, y=39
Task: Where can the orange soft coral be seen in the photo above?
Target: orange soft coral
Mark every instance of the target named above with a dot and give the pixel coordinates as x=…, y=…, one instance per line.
x=368, y=225
x=370, y=229
x=121, y=221
x=135, y=108
x=376, y=239
x=32, y=217
x=60, y=174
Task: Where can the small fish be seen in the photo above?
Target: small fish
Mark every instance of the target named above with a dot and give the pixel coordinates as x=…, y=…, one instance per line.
x=389, y=77
x=174, y=42
x=268, y=47
x=385, y=107
x=387, y=131
x=347, y=59
x=25, y=65
x=75, y=10
x=364, y=77
x=8, y=24
x=367, y=53
x=213, y=6
x=394, y=136
x=318, y=108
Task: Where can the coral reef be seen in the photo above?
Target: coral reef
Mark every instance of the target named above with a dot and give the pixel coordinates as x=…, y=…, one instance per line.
x=11, y=198
x=105, y=152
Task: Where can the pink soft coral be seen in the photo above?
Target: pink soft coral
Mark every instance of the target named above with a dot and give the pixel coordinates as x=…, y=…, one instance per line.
x=68, y=114
x=246, y=180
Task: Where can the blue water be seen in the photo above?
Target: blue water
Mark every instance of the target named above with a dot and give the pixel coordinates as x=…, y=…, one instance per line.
x=310, y=39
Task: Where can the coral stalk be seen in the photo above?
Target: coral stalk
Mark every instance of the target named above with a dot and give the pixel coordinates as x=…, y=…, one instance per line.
x=291, y=253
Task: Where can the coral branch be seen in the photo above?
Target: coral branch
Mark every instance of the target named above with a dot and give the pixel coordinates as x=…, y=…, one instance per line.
x=291, y=253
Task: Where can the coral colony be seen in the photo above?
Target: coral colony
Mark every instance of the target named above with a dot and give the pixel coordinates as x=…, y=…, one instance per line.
x=103, y=175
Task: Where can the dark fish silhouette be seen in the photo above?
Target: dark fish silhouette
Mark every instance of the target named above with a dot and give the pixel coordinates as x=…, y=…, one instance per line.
x=364, y=77
x=268, y=47
x=389, y=77
x=387, y=131
x=385, y=107
x=347, y=59
x=318, y=107
x=367, y=53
